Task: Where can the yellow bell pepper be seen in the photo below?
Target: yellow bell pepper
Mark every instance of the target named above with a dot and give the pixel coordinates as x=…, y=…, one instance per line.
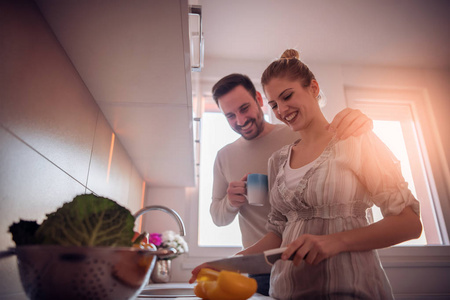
x=224, y=285
x=141, y=242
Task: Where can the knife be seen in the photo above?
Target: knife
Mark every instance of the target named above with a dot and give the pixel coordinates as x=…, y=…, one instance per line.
x=260, y=263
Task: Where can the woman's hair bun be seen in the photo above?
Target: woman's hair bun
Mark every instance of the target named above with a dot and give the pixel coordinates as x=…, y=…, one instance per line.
x=289, y=54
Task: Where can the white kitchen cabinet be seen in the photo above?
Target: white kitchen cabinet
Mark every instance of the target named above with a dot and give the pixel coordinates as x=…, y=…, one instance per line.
x=133, y=57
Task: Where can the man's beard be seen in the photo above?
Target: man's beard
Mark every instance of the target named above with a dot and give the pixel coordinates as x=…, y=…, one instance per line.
x=259, y=123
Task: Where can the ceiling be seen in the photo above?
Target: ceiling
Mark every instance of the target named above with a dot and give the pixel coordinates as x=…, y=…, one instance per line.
x=134, y=56
x=406, y=33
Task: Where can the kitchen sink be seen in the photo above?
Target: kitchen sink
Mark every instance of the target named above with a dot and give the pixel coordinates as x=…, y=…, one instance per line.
x=167, y=292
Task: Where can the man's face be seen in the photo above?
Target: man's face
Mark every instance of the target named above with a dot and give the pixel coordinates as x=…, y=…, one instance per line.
x=243, y=113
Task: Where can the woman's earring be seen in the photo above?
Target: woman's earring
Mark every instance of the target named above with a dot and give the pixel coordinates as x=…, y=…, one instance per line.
x=321, y=99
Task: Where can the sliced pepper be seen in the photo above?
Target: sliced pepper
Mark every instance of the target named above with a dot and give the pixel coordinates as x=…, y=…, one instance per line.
x=205, y=278
x=224, y=285
x=141, y=242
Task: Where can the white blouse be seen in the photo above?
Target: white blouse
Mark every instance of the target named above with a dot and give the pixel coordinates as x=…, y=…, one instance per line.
x=293, y=176
x=333, y=196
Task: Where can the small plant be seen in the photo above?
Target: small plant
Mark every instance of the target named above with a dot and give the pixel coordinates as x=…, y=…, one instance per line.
x=169, y=239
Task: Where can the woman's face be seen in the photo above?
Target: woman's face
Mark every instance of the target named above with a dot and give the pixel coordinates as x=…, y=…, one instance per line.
x=293, y=104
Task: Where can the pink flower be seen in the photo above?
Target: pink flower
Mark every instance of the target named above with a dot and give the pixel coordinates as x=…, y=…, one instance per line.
x=155, y=238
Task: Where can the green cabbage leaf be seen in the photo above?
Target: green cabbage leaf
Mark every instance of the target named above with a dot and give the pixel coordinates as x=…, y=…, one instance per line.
x=88, y=220
x=24, y=232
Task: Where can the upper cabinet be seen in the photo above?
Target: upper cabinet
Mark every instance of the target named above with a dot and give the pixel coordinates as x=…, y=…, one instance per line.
x=134, y=58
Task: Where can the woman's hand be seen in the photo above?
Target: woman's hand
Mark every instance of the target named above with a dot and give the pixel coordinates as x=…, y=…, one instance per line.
x=196, y=270
x=313, y=248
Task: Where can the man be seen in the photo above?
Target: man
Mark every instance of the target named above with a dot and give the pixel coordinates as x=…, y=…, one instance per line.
x=241, y=104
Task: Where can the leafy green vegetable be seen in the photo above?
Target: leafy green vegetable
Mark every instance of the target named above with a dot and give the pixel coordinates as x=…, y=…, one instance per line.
x=24, y=232
x=88, y=220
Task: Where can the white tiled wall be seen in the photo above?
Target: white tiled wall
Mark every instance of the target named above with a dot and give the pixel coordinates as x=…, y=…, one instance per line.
x=54, y=141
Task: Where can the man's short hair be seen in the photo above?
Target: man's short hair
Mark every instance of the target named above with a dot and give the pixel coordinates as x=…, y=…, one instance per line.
x=229, y=82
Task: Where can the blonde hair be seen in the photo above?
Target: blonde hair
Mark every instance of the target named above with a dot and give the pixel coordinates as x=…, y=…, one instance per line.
x=290, y=54
x=288, y=66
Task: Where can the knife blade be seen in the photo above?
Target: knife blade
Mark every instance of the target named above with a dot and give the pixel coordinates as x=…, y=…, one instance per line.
x=260, y=263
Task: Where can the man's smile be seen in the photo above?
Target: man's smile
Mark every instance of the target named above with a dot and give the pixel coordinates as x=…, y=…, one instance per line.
x=246, y=126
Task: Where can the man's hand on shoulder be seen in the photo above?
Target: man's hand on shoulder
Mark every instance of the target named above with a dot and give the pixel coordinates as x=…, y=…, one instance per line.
x=350, y=122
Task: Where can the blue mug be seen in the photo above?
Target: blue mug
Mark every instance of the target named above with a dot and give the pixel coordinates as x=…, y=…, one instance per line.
x=257, y=189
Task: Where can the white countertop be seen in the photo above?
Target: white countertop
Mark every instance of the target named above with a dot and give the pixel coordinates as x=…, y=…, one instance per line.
x=173, y=285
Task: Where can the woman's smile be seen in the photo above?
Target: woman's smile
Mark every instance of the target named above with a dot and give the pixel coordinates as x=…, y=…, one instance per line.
x=291, y=117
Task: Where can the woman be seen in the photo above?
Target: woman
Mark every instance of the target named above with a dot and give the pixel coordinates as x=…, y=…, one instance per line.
x=320, y=189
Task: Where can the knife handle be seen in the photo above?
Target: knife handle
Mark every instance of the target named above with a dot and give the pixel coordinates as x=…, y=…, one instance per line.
x=275, y=254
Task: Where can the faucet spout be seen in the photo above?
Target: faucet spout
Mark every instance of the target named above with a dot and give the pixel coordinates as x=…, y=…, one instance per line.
x=170, y=211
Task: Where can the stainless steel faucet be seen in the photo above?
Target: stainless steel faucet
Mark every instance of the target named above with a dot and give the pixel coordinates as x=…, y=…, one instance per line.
x=170, y=211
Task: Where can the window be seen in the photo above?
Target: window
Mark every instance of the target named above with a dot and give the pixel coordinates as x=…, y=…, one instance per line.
x=390, y=132
x=396, y=122
x=215, y=134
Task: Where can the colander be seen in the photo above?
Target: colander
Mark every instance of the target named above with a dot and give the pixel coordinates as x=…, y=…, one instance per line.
x=82, y=273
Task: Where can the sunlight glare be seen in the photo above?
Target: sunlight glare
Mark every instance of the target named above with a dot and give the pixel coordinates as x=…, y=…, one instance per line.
x=390, y=132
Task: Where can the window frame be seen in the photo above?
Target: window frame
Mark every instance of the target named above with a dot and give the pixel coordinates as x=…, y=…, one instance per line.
x=206, y=104
x=400, y=105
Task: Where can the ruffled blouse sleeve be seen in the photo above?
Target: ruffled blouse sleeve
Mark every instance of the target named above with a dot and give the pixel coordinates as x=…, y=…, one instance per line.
x=379, y=171
x=276, y=220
